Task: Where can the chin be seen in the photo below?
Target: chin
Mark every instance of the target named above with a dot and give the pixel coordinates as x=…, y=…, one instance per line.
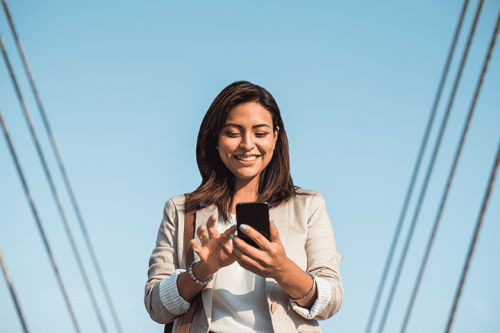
x=246, y=176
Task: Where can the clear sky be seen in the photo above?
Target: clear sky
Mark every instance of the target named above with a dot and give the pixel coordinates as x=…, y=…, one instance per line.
x=126, y=84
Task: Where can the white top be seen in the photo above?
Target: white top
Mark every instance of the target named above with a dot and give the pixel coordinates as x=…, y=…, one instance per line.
x=239, y=301
x=236, y=290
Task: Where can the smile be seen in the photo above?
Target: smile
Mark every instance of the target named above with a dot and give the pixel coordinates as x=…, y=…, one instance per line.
x=246, y=158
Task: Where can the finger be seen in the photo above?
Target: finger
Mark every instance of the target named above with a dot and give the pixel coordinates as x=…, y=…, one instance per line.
x=211, y=226
x=245, y=261
x=275, y=234
x=196, y=248
x=226, y=234
x=244, y=248
x=258, y=238
x=202, y=235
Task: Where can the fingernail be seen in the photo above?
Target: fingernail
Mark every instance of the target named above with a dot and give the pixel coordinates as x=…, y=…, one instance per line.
x=274, y=224
x=212, y=215
x=199, y=227
x=243, y=227
x=231, y=236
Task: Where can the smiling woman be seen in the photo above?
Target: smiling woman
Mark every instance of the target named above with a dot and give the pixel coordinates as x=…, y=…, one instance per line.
x=286, y=284
x=246, y=144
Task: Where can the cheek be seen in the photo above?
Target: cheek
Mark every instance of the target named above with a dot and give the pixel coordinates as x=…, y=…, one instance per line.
x=270, y=144
x=226, y=147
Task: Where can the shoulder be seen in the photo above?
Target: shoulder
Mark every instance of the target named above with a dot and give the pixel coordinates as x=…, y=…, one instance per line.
x=177, y=200
x=175, y=204
x=308, y=197
x=305, y=201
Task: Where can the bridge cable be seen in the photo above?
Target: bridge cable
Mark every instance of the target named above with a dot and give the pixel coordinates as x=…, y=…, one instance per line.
x=479, y=222
x=452, y=173
x=429, y=170
x=13, y=292
x=484, y=205
x=52, y=186
x=416, y=170
x=62, y=168
x=37, y=218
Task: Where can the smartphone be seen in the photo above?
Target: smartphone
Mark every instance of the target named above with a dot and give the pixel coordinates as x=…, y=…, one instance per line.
x=256, y=215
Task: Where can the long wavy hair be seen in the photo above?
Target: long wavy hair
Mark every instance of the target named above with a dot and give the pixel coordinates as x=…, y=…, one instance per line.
x=218, y=183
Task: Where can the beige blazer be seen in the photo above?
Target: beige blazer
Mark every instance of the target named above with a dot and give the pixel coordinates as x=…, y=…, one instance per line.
x=307, y=235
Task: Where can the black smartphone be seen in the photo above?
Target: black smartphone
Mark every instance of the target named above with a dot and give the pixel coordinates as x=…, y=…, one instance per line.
x=256, y=215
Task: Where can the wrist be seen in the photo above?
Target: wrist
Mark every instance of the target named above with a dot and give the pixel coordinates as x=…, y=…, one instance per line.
x=311, y=291
x=201, y=271
x=285, y=273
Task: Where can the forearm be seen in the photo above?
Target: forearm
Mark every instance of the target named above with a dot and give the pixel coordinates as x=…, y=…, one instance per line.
x=187, y=287
x=297, y=283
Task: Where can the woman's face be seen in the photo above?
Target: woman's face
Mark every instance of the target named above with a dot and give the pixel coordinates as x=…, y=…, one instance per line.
x=247, y=140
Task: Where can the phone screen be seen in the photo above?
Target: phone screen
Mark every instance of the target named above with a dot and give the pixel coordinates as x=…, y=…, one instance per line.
x=256, y=215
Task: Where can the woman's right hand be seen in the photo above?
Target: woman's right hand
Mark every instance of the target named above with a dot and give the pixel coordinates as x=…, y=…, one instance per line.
x=216, y=250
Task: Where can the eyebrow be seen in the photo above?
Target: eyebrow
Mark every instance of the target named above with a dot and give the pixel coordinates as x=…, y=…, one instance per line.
x=239, y=126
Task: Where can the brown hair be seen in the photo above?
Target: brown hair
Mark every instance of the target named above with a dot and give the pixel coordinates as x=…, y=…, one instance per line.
x=218, y=183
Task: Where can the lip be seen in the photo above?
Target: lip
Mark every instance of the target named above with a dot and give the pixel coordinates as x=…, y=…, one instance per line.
x=244, y=158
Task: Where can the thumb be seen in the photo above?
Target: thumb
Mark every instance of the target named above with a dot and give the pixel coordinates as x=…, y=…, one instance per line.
x=275, y=235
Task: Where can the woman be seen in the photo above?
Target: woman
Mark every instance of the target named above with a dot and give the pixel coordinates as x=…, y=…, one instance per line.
x=291, y=280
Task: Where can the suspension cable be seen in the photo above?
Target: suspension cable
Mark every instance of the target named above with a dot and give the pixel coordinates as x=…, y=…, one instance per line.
x=62, y=168
x=452, y=172
x=52, y=186
x=472, y=246
x=12, y=291
x=479, y=223
x=37, y=219
x=430, y=169
x=416, y=169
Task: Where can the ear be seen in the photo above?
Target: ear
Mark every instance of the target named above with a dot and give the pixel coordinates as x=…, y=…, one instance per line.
x=276, y=134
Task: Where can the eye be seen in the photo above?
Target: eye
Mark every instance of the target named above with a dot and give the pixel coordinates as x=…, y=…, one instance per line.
x=261, y=134
x=232, y=134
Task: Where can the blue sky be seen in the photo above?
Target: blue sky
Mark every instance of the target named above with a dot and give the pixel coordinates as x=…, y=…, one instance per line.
x=126, y=84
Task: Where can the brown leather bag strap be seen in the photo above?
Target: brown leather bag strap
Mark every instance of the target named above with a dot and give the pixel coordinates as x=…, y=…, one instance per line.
x=189, y=227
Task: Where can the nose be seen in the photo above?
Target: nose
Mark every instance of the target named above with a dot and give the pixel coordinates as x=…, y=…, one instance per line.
x=247, y=142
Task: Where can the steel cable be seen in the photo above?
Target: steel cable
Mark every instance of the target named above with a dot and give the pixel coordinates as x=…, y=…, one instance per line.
x=62, y=168
x=482, y=212
x=452, y=173
x=416, y=169
x=11, y=287
x=37, y=219
x=52, y=186
x=472, y=245
x=430, y=169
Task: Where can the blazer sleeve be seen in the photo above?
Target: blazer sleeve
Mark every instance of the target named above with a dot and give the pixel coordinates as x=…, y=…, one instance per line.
x=323, y=260
x=162, y=264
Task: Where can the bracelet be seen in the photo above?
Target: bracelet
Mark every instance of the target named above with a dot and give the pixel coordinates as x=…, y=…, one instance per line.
x=310, y=291
x=203, y=283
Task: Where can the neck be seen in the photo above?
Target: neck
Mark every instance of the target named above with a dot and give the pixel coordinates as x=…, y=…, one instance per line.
x=245, y=191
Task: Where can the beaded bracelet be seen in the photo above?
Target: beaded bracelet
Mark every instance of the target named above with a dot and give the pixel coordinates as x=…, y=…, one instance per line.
x=202, y=283
x=310, y=291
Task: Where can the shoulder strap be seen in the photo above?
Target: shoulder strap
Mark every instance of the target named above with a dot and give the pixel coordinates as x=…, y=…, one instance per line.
x=189, y=226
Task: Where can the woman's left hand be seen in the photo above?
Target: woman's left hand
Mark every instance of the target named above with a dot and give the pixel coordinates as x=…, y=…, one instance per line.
x=269, y=260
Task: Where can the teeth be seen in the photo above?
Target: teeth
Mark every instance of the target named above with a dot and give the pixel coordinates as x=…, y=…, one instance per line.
x=249, y=158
